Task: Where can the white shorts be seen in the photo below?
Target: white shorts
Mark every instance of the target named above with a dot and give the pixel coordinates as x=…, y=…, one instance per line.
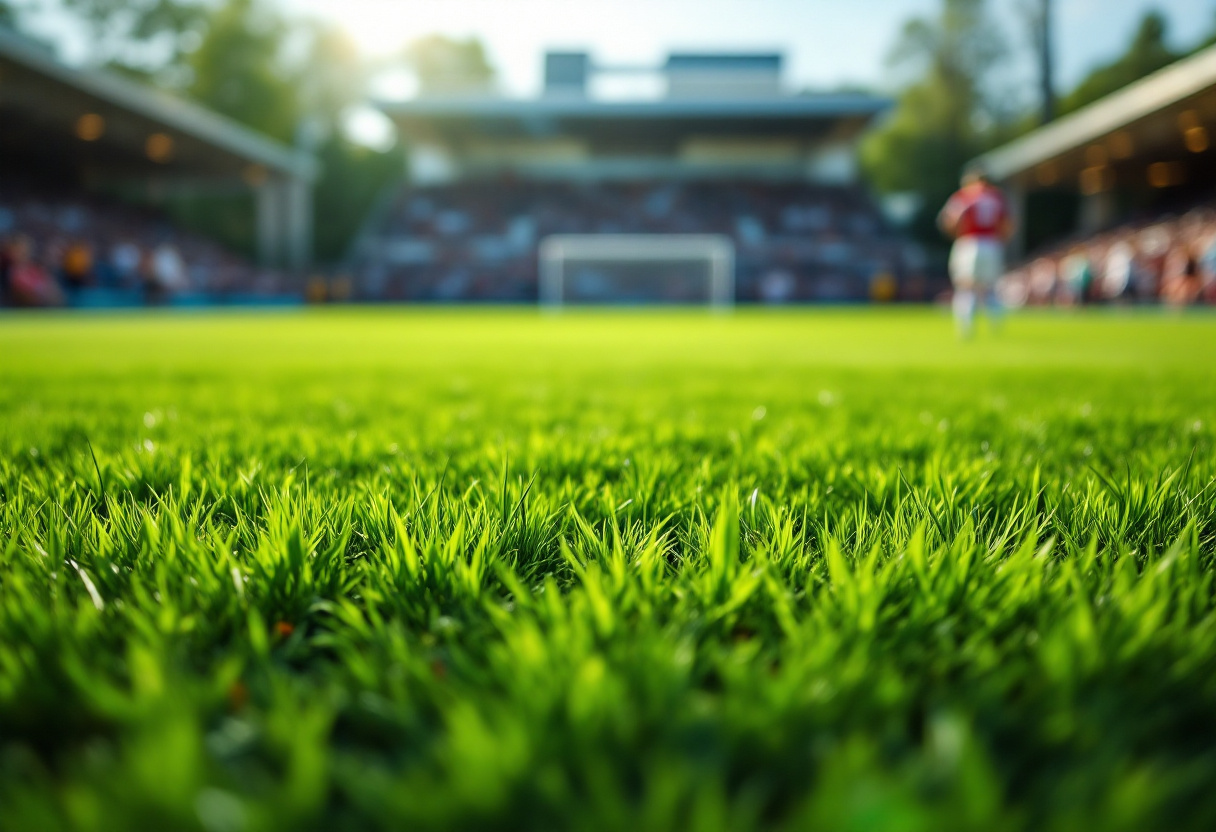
x=977, y=261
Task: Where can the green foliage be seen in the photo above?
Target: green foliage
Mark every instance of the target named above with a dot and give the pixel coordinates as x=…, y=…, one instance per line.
x=142, y=37
x=238, y=69
x=233, y=57
x=450, y=65
x=1147, y=53
x=363, y=569
x=228, y=218
x=352, y=179
x=332, y=75
x=943, y=117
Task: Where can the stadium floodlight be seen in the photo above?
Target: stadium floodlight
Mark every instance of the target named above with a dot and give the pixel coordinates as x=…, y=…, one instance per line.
x=637, y=268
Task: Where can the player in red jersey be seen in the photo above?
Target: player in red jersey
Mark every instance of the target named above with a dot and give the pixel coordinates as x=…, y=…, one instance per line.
x=977, y=218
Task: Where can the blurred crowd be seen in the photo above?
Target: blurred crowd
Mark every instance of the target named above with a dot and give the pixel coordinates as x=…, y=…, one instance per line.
x=58, y=249
x=477, y=241
x=794, y=242
x=1170, y=260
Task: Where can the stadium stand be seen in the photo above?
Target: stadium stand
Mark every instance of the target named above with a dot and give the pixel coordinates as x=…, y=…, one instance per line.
x=725, y=152
x=1115, y=200
x=67, y=246
x=477, y=240
x=1170, y=259
x=72, y=141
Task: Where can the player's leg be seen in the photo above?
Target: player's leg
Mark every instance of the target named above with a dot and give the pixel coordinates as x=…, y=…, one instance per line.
x=994, y=310
x=964, y=310
x=989, y=268
x=962, y=275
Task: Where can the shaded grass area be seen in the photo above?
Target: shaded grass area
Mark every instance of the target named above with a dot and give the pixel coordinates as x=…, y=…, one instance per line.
x=381, y=569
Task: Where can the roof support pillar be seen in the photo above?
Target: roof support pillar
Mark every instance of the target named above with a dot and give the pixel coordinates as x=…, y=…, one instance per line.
x=1016, y=247
x=270, y=211
x=297, y=223
x=1097, y=211
x=284, y=222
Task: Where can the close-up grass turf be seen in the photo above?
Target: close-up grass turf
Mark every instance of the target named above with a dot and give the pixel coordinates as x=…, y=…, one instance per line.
x=492, y=569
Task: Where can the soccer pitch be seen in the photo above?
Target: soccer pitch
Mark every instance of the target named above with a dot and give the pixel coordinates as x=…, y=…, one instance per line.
x=491, y=569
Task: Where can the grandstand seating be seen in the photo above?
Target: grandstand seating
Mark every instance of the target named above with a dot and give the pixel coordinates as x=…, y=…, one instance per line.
x=103, y=253
x=1169, y=258
x=477, y=240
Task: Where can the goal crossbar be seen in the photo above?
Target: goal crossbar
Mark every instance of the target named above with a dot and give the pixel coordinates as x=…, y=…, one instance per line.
x=717, y=250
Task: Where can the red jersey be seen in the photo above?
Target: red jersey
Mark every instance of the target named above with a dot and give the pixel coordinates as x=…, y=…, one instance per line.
x=977, y=210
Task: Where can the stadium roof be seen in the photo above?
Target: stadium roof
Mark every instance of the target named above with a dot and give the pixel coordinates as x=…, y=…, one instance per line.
x=770, y=62
x=42, y=115
x=1159, y=92
x=556, y=115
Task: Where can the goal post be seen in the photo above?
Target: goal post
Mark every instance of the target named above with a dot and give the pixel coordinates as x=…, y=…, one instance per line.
x=637, y=268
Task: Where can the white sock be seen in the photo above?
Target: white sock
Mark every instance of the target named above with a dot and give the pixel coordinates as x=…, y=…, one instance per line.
x=993, y=306
x=964, y=308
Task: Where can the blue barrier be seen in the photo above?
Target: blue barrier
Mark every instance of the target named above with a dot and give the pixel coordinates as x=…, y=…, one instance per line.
x=99, y=298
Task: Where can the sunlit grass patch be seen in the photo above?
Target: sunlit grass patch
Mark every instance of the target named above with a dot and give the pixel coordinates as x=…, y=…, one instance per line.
x=409, y=570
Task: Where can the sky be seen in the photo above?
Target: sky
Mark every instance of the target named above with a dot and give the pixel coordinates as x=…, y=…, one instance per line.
x=827, y=43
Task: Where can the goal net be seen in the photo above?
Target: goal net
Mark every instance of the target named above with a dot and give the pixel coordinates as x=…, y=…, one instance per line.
x=637, y=269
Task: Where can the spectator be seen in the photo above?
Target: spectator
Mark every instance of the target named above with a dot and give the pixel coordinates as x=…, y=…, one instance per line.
x=1207, y=267
x=1076, y=275
x=168, y=269
x=78, y=264
x=1117, y=274
x=6, y=270
x=29, y=283
x=126, y=257
x=1180, y=283
x=91, y=242
x=777, y=286
x=1171, y=260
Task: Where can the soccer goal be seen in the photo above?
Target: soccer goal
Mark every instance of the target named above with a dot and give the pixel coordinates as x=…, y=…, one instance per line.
x=637, y=269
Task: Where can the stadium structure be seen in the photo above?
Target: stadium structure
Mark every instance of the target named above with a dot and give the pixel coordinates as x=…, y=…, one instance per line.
x=1142, y=152
x=724, y=187
x=72, y=139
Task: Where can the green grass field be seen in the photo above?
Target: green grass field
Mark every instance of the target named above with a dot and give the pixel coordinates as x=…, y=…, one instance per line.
x=484, y=569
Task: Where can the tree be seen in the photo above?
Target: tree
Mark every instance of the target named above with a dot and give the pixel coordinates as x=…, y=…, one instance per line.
x=352, y=179
x=146, y=38
x=944, y=117
x=332, y=76
x=445, y=65
x=239, y=69
x=1038, y=15
x=1147, y=53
